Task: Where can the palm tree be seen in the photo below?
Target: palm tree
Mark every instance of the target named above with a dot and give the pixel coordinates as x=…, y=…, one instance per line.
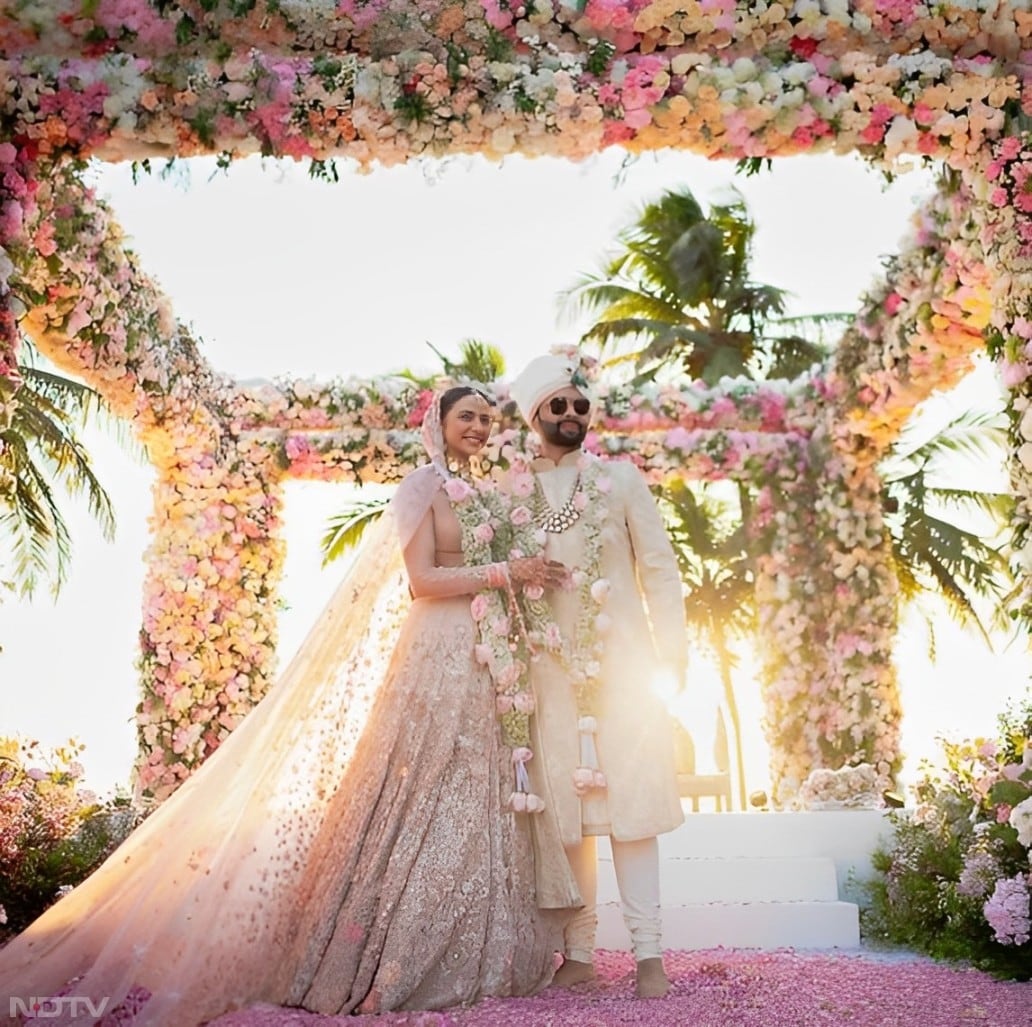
x=40, y=451
x=676, y=298
x=945, y=538
x=716, y=562
x=478, y=361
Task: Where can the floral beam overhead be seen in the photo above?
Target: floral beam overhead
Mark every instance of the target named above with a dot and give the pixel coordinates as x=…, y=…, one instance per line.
x=385, y=81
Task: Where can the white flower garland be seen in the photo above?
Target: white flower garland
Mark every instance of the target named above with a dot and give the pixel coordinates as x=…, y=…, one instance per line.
x=581, y=655
x=503, y=644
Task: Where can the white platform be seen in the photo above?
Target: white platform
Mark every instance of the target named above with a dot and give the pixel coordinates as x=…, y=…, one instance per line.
x=755, y=880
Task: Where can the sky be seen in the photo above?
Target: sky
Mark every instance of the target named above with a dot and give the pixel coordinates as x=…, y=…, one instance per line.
x=281, y=275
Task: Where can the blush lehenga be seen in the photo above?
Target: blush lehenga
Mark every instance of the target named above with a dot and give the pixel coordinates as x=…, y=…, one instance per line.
x=345, y=849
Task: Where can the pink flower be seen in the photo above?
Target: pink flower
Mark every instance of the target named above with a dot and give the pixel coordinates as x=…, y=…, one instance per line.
x=522, y=484
x=520, y=516
x=457, y=490
x=1007, y=911
x=892, y=303
x=415, y=417
x=478, y=607
x=524, y=702
x=1011, y=374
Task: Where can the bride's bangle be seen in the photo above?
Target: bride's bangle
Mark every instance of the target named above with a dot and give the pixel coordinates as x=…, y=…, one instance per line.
x=497, y=575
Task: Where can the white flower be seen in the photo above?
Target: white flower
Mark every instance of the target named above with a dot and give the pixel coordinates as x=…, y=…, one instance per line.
x=1021, y=820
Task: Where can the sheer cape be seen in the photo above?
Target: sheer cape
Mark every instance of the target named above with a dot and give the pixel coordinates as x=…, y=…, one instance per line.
x=219, y=867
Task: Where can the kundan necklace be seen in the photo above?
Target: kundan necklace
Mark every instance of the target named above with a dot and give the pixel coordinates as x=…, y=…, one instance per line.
x=557, y=521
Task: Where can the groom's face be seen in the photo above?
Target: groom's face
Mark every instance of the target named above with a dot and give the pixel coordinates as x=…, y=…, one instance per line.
x=563, y=418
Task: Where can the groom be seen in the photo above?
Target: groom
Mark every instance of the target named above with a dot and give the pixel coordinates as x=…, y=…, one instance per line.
x=605, y=762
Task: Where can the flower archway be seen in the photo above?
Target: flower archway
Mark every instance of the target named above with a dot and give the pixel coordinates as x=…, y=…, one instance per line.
x=384, y=81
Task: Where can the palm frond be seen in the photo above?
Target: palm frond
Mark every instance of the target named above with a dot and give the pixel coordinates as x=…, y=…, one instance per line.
x=39, y=545
x=479, y=361
x=974, y=434
x=616, y=298
x=52, y=441
x=74, y=400
x=780, y=357
x=344, y=530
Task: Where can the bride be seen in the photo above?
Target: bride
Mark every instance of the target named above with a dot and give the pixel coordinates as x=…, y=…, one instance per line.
x=350, y=847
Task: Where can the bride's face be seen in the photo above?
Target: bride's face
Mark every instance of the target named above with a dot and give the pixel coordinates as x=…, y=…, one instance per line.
x=467, y=427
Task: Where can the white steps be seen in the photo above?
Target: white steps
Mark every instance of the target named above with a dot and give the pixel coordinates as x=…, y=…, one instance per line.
x=754, y=880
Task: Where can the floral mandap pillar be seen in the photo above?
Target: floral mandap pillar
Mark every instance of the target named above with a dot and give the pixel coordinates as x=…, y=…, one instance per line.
x=1002, y=185
x=208, y=634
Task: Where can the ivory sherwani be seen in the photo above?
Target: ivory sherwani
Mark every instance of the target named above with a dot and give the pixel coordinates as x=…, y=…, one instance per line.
x=645, y=608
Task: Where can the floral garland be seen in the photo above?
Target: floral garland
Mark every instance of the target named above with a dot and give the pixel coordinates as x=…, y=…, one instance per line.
x=581, y=655
x=503, y=646
x=1007, y=234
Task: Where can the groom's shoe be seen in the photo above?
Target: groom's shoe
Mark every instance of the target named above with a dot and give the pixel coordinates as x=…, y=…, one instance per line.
x=652, y=979
x=572, y=972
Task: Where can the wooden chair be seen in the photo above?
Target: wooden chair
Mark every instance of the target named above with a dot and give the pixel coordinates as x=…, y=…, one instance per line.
x=715, y=786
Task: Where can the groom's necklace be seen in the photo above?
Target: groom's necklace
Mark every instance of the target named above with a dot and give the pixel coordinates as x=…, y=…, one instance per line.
x=557, y=521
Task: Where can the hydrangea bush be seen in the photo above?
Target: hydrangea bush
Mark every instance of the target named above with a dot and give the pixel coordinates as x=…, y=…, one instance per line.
x=53, y=831
x=956, y=878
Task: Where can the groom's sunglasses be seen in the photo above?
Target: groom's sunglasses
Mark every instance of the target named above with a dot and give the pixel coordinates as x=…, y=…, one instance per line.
x=557, y=405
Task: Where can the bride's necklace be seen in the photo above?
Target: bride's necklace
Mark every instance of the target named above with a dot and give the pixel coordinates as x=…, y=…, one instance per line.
x=557, y=521
x=468, y=471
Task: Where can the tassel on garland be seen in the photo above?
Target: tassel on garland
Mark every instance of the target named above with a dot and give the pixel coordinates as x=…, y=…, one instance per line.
x=588, y=776
x=523, y=800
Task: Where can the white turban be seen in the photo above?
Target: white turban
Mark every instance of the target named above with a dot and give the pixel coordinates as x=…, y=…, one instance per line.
x=542, y=377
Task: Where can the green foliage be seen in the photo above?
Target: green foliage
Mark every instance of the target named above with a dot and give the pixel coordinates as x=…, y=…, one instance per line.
x=478, y=361
x=935, y=880
x=749, y=166
x=599, y=57
x=412, y=106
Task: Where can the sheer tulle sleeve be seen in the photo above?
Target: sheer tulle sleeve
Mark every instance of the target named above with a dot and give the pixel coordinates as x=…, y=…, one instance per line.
x=428, y=581
x=413, y=511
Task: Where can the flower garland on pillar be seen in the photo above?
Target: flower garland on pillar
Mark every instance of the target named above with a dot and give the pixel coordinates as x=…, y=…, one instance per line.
x=789, y=622
x=1004, y=186
x=207, y=642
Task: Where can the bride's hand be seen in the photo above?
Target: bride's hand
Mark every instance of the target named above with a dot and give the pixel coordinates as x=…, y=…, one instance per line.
x=536, y=570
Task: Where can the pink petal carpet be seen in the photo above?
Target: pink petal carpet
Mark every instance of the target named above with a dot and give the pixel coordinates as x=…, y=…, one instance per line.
x=731, y=988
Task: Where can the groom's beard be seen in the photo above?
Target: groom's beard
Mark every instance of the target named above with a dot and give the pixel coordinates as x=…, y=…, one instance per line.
x=565, y=434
